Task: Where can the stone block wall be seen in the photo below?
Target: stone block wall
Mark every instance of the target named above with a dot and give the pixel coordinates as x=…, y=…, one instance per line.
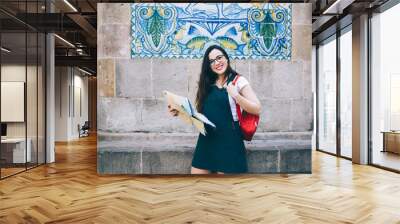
x=133, y=120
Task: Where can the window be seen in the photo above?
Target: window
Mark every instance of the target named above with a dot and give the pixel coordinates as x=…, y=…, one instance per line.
x=327, y=96
x=346, y=75
x=385, y=88
x=22, y=77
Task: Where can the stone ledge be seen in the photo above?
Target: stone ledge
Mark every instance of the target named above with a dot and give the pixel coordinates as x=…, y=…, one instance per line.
x=140, y=137
x=171, y=153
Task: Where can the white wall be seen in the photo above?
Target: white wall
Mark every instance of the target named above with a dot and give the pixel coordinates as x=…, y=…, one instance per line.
x=33, y=126
x=14, y=73
x=61, y=103
x=17, y=73
x=79, y=115
x=69, y=82
x=12, y=101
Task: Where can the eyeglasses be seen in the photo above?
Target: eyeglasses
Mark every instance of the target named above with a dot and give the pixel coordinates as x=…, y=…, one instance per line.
x=218, y=58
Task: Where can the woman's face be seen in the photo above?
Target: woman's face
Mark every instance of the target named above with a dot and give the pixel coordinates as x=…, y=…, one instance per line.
x=218, y=61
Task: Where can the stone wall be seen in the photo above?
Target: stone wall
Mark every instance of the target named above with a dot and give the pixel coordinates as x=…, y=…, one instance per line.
x=133, y=120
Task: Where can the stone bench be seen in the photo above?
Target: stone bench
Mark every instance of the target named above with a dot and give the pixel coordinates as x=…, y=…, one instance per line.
x=171, y=153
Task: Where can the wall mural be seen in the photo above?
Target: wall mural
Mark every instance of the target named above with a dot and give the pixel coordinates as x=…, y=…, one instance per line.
x=185, y=30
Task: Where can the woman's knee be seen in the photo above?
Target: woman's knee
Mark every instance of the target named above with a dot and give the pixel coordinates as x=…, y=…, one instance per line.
x=195, y=170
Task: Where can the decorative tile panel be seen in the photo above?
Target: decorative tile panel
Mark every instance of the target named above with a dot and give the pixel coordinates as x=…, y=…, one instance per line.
x=186, y=30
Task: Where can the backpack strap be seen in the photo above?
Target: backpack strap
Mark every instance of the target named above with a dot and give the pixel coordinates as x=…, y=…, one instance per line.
x=235, y=79
x=238, y=111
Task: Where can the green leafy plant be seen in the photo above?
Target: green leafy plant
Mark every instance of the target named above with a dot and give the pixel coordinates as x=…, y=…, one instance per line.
x=156, y=27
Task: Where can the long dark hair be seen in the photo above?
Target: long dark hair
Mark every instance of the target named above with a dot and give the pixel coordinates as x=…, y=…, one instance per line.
x=208, y=77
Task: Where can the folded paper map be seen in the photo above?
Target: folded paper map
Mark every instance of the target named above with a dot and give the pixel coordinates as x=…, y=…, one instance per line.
x=187, y=112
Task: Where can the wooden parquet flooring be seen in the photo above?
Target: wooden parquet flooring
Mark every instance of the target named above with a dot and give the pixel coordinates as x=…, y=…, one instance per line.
x=70, y=191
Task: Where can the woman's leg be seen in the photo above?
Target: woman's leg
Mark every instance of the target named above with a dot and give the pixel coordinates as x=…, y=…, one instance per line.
x=195, y=170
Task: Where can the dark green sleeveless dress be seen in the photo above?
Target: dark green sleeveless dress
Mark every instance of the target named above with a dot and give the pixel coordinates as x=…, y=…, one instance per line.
x=222, y=149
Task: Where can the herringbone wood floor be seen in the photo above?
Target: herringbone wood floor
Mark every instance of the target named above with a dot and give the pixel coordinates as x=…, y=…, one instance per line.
x=70, y=191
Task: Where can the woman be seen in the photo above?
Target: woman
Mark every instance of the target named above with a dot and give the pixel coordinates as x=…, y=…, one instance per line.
x=222, y=149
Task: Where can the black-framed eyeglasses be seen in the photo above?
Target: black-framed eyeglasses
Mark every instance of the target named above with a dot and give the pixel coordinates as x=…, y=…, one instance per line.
x=218, y=58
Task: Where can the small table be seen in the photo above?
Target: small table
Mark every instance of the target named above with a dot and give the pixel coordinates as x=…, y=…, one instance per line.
x=391, y=141
x=16, y=147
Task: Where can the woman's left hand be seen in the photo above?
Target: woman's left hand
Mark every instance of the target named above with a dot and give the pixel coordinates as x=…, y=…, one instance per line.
x=232, y=90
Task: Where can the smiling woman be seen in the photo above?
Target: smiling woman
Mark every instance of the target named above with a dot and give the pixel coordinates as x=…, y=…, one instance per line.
x=222, y=150
x=143, y=61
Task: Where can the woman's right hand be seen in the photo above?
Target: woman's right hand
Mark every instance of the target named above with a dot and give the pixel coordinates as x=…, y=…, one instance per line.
x=173, y=112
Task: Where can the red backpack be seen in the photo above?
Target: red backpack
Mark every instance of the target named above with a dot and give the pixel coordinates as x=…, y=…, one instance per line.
x=248, y=122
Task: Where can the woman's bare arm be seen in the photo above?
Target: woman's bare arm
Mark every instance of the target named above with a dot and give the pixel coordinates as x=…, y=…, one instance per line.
x=248, y=100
